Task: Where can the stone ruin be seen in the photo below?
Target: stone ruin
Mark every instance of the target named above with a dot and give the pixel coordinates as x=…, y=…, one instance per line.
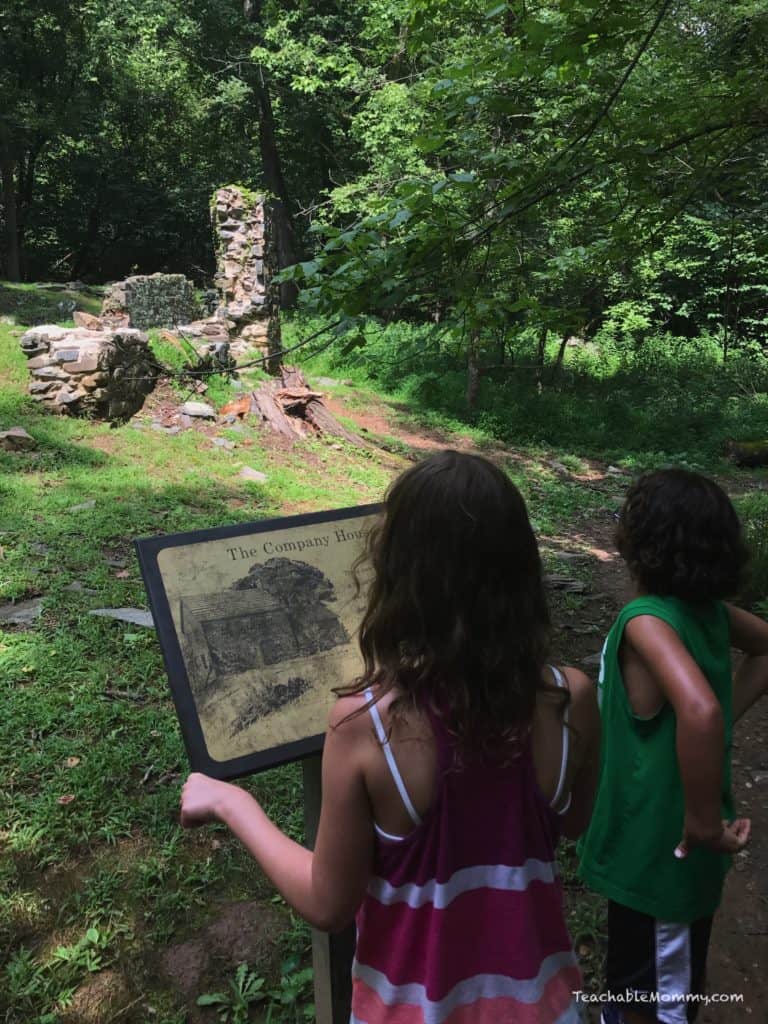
x=248, y=312
x=104, y=367
x=151, y=300
x=105, y=374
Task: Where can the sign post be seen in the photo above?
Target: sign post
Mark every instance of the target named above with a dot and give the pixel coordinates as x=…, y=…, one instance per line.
x=331, y=954
x=257, y=624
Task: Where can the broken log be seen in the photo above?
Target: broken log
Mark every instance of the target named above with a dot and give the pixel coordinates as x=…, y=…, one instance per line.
x=266, y=405
x=322, y=419
x=291, y=408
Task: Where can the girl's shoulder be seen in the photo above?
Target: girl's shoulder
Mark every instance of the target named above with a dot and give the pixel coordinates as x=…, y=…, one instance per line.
x=359, y=713
x=581, y=711
x=577, y=683
x=579, y=708
x=349, y=712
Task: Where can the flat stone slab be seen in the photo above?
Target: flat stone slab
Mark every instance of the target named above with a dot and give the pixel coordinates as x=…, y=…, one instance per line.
x=136, y=616
x=22, y=613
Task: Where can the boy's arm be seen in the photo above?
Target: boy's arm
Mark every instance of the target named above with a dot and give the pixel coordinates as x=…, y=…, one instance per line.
x=700, y=734
x=325, y=887
x=585, y=720
x=750, y=635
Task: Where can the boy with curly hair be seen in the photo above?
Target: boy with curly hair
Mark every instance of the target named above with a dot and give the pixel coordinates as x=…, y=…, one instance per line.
x=662, y=831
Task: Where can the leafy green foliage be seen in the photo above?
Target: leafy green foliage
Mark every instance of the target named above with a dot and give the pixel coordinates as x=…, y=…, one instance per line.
x=753, y=510
x=552, y=176
x=233, y=1005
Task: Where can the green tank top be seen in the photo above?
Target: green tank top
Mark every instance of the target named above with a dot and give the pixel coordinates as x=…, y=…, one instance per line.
x=627, y=853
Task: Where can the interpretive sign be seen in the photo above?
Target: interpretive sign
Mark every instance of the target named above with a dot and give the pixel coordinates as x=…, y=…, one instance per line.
x=257, y=623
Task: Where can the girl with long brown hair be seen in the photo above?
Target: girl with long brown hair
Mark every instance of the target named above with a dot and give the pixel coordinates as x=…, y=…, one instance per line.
x=450, y=769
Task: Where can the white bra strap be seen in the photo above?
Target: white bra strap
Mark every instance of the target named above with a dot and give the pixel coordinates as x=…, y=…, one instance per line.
x=393, y=769
x=563, y=684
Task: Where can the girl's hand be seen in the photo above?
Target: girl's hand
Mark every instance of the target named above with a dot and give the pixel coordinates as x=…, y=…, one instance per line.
x=733, y=838
x=201, y=800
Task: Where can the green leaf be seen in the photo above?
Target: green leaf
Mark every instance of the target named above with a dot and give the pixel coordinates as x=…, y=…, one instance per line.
x=357, y=341
x=429, y=143
x=212, y=999
x=401, y=217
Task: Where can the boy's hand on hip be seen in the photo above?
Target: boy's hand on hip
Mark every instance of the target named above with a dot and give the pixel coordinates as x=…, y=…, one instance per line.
x=733, y=837
x=201, y=800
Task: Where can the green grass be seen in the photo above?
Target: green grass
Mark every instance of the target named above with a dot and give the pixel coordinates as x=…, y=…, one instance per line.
x=90, y=753
x=28, y=304
x=670, y=400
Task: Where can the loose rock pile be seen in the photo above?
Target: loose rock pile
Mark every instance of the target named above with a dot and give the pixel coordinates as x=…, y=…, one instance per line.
x=101, y=373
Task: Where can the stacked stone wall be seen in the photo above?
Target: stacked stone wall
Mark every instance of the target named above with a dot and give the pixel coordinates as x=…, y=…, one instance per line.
x=246, y=266
x=102, y=374
x=152, y=300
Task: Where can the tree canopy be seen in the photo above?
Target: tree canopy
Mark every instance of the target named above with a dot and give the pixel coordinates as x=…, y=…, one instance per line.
x=498, y=165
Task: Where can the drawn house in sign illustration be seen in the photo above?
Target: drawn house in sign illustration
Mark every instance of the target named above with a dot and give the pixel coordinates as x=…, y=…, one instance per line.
x=276, y=613
x=230, y=633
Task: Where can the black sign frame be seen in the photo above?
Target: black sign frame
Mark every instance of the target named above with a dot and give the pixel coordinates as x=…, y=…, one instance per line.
x=148, y=550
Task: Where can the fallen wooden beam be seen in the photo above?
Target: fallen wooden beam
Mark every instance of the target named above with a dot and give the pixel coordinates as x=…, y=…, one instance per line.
x=291, y=408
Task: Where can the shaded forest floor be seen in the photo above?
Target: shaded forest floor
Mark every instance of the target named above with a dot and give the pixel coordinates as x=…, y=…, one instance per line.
x=108, y=912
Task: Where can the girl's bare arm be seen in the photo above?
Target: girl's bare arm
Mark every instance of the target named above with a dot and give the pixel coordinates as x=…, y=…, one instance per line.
x=750, y=635
x=325, y=887
x=585, y=722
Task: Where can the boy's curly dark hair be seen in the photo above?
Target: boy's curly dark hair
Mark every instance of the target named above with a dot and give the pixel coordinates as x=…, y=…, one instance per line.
x=680, y=536
x=457, y=617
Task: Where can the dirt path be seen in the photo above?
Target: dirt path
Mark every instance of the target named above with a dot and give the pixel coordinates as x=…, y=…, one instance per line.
x=738, y=959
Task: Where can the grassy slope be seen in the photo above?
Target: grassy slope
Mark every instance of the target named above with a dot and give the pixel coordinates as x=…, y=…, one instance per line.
x=86, y=706
x=106, y=878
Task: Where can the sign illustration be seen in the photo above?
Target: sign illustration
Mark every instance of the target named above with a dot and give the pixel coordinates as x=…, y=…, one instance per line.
x=257, y=623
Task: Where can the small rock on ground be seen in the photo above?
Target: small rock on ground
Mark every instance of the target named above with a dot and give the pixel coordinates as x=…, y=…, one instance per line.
x=200, y=409
x=246, y=473
x=76, y=587
x=17, y=440
x=136, y=616
x=22, y=612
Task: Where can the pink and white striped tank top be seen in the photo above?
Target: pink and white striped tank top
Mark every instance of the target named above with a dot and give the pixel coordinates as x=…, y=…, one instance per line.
x=463, y=919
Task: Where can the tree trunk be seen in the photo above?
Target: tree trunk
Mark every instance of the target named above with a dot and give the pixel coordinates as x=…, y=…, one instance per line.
x=287, y=250
x=24, y=202
x=10, y=215
x=473, y=370
x=285, y=236
x=560, y=356
x=80, y=262
x=541, y=351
